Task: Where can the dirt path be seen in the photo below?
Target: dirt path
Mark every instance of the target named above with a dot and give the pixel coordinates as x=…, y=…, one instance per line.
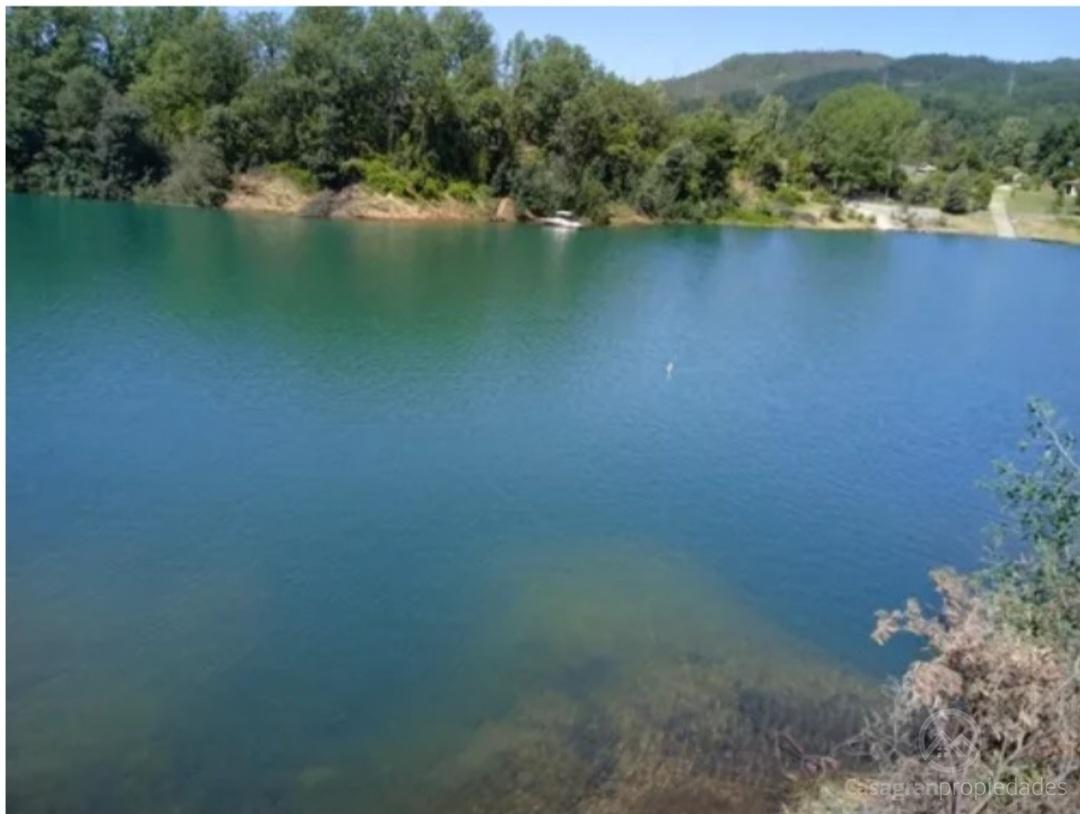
x=1002, y=224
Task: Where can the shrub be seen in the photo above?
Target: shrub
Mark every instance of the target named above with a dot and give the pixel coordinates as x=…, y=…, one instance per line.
x=541, y=186
x=982, y=190
x=1004, y=651
x=789, y=196
x=593, y=200
x=674, y=186
x=956, y=194
x=464, y=191
x=198, y=177
x=384, y=177
x=430, y=187
x=304, y=179
x=924, y=191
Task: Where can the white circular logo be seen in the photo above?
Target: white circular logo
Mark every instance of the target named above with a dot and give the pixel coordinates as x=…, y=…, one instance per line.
x=949, y=741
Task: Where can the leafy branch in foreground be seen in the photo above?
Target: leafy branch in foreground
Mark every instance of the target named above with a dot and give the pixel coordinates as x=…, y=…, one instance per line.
x=1004, y=656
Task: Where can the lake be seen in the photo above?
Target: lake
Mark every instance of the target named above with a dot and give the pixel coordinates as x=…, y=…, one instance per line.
x=325, y=517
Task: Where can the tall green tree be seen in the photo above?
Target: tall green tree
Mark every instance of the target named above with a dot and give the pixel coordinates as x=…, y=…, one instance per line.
x=855, y=137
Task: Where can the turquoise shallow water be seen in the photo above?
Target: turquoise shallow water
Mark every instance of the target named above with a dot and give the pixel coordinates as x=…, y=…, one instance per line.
x=311, y=516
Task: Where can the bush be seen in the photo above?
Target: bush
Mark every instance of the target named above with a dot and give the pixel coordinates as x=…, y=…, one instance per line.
x=673, y=187
x=982, y=190
x=382, y=176
x=1004, y=652
x=956, y=194
x=304, y=179
x=198, y=177
x=464, y=191
x=789, y=196
x=593, y=199
x=924, y=191
x=430, y=187
x=541, y=186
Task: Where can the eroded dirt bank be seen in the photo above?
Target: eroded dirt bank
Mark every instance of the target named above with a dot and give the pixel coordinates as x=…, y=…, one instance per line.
x=263, y=192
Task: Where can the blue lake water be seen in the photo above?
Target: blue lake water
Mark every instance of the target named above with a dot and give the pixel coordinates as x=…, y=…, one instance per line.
x=318, y=516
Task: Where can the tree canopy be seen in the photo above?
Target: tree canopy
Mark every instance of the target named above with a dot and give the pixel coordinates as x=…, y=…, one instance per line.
x=173, y=102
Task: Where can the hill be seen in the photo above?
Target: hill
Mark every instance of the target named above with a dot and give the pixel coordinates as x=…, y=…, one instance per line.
x=974, y=83
x=756, y=75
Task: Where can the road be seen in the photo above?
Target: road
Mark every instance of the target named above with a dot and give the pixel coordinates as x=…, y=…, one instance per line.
x=1002, y=225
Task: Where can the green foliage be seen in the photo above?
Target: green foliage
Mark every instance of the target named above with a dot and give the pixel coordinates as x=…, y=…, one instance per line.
x=789, y=196
x=1058, y=152
x=200, y=65
x=713, y=136
x=542, y=186
x=70, y=130
x=199, y=177
x=673, y=187
x=103, y=101
x=303, y=179
x=1036, y=551
x=956, y=193
x=976, y=92
x=924, y=191
x=463, y=191
x=753, y=74
x=855, y=138
x=382, y=176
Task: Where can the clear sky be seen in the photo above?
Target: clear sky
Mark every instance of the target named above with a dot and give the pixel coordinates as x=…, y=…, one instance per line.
x=642, y=43
x=639, y=43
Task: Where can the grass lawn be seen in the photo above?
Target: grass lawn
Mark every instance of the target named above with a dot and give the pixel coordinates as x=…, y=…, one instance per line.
x=1030, y=202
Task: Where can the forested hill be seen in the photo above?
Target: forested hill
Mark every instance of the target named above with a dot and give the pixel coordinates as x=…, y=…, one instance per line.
x=976, y=83
x=745, y=77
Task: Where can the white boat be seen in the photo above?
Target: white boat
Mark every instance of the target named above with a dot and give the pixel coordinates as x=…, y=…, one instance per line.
x=563, y=219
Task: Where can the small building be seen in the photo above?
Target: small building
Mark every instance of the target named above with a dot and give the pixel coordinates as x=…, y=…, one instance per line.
x=1071, y=189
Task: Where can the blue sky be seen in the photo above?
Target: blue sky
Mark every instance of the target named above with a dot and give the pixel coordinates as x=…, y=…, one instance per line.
x=639, y=43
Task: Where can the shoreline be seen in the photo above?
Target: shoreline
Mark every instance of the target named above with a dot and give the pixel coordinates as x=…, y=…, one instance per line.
x=264, y=193
x=275, y=196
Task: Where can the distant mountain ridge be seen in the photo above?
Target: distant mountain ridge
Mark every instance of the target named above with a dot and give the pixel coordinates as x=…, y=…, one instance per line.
x=803, y=77
x=762, y=74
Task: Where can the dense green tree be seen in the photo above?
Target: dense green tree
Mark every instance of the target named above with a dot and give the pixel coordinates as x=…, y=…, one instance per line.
x=956, y=194
x=713, y=135
x=1058, y=152
x=855, y=137
x=1012, y=138
x=673, y=186
x=103, y=102
x=199, y=176
x=554, y=73
x=200, y=65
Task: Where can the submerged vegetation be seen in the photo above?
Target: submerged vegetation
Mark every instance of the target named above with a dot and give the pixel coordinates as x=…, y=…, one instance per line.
x=171, y=104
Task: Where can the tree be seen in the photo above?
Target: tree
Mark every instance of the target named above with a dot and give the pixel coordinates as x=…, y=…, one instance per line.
x=956, y=193
x=673, y=186
x=199, y=176
x=1012, y=137
x=200, y=65
x=855, y=137
x=712, y=134
x=1058, y=153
